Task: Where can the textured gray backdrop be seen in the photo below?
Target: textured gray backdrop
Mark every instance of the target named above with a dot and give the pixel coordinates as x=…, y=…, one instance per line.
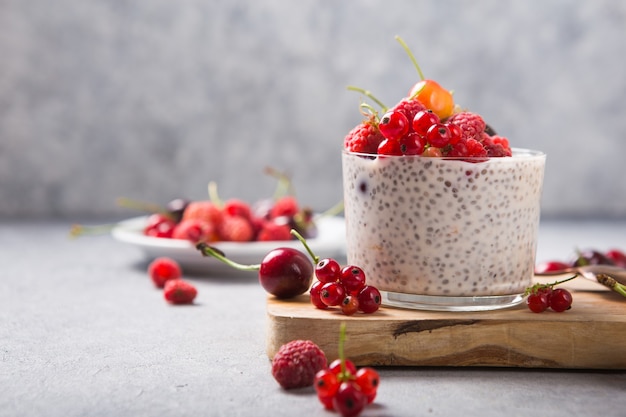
x=153, y=99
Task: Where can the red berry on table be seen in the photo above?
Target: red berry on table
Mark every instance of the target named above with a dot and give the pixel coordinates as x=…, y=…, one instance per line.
x=560, y=300
x=393, y=125
x=327, y=270
x=550, y=266
x=285, y=272
x=316, y=296
x=349, y=400
x=537, y=302
x=326, y=385
x=369, y=299
x=350, y=305
x=332, y=293
x=352, y=278
x=368, y=379
x=336, y=368
x=162, y=270
x=296, y=363
x=178, y=291
x=364, y=138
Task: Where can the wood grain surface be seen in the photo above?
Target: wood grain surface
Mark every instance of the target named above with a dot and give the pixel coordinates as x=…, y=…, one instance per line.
x=592, y=335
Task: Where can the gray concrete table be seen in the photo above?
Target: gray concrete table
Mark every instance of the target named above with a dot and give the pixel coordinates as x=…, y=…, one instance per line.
x=83, y=332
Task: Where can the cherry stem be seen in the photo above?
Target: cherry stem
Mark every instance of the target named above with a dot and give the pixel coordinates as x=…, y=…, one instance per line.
x=284, y=185
x=80, y=230
x=368, y=94
x=332, y=211
x=214, y=196
x=207, y=250
x=298, y=236
x=610, y=282
x=410, y=54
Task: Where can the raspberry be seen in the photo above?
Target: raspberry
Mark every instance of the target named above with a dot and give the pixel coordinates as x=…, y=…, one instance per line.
x=195, y=231
x=274, y=231
x=235, y=229
x=364, y=138
x=203, y=210
x=162, y=270
x=296, y=363
x=236, y=207
x=410, y=107
x=285, y=206
x=496, y=146
x=177, y=291
x=472, y=125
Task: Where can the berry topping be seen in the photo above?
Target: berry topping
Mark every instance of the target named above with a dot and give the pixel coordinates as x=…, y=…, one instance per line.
x=296, y=363
x=364, y=138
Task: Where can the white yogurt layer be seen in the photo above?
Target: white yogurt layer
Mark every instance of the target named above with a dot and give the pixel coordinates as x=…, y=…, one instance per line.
x=444, y=227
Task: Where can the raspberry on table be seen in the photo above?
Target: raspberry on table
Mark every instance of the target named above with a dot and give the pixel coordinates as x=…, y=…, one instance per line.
x=296, y=363
x=178, y=291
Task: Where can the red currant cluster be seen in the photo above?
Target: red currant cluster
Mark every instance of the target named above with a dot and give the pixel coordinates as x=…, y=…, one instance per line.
x=343, y=388
x=544, y=296
x=343, y=287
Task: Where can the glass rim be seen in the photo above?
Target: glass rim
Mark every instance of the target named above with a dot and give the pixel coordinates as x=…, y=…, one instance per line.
x=517, y=152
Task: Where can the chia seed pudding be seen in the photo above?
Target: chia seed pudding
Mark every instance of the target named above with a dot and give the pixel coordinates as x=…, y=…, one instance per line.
x=444, y=232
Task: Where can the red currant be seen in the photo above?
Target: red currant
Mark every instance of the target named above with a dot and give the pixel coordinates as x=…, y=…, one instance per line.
x=350, y=305
x=369, y=299
x=438, y=135
x=412, y=144
x=335, y=367
x=560, y=300
x=393, y=125
x=327, y=270
x=368, y=379
x=432, y=152
x=352, y=278
x=332, y=293
x=164, y=269
x=349, y=400
x=537, y=302
x=456, y=133
x=423, y=120
x=315, y=294
x=326, y=385
x=390, y=147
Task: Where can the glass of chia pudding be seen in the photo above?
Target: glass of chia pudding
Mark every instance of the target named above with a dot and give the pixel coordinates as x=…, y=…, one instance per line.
x=444, y=233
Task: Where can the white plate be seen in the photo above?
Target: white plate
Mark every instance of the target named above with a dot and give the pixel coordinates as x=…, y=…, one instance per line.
x=330, y=242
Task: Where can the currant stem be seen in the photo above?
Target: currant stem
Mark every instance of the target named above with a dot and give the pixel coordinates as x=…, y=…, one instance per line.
x=550, y=285
x=369, y=95
x=410, y=54
x=610, y=282
x=298, y=236
x=284, y=185
x=207, y=250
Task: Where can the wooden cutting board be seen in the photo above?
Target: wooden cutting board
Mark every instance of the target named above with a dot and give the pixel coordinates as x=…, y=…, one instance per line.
x=592, y=335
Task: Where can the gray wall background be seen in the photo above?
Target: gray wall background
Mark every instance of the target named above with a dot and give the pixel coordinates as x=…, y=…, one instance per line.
x=154, y=99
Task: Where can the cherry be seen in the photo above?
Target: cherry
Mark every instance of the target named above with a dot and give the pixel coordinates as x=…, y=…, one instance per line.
x=560, y=300
x=592, y=257
x=429, y=92
x=393, y=125
x=283, y=272
x=617, y=256
x=550, y=266
x=159, y=225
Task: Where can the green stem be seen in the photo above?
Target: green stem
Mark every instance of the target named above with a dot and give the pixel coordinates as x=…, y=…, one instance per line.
x=342, y=356
x=410, y=54
x=214, y=195
x=610, y=282
x=80, y=230
x=550, y=285
x=284, y=186
x=333, y=211
x=207, y=250
x=298, y=236
x=368, y=94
